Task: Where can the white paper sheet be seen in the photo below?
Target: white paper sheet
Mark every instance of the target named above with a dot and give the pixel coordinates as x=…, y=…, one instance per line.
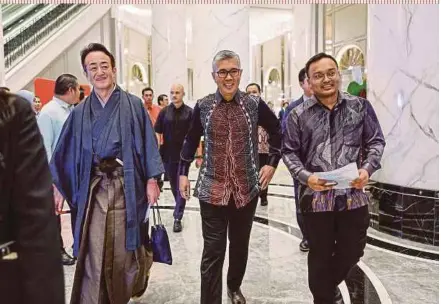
x=343, y=176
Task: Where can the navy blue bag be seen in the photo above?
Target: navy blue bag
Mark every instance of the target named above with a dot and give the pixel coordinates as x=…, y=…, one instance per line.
x=159, y=240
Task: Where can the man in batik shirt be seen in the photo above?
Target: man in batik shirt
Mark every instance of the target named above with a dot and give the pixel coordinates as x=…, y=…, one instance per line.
x=229, y=181
x=324, y=133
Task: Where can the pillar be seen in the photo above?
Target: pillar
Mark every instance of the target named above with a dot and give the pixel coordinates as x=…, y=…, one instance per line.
x=215, y=28
x=169, y=47
x=302, y=43
x=402, y=83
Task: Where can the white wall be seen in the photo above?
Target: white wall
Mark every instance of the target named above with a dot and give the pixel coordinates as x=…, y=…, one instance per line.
x=136, y=51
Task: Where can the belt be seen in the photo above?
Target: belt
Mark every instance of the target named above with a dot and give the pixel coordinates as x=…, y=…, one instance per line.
x=108, y=166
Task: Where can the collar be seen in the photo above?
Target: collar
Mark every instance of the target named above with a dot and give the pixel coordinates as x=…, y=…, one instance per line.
x=103, y=102
x=305, y=98
x=340, y=99
x=219, y=97
x=62, y=103
x=177, y=109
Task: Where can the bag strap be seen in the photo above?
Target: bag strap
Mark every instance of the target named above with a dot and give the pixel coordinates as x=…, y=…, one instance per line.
x=156, y=207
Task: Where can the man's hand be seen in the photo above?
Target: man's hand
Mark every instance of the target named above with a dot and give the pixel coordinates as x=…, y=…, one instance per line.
x=59, y=200
x=152, y=191
x=317, y=184
x=184, y=187
x=362, y=180
x=265, y=176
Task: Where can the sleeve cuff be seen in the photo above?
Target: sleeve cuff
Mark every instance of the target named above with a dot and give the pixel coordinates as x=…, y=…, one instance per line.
x=273, y=161
x=303, y=176
x=184, y=168
x=368, y=168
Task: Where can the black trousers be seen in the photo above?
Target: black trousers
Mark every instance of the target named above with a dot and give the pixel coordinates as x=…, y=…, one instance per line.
x=336, y=243
x=217, y=221
x=263, y=160
x=299, y=213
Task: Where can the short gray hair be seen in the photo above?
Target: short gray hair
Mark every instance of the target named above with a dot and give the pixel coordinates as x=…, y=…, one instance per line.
x=224, y=55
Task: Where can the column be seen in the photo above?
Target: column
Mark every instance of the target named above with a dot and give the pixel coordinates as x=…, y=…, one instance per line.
x=216, y=28
x=402, y=82
x=169, y=45
x=302, y=43
x=2, y=54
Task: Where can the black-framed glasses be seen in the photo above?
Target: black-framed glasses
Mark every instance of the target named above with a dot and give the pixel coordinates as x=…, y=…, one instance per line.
x=232, y=72
x=321, y=76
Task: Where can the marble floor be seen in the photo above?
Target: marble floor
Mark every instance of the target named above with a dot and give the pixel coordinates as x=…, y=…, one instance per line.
x=277, y=271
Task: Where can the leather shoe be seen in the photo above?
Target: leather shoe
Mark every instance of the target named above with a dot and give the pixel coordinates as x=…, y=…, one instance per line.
x=177, y=226
x=66, y=259
x=304, y=246
x=263, y=201
x=338, y=298
x=236, y=297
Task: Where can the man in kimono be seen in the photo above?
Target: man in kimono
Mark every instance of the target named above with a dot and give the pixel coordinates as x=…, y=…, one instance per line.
x=106, y=163
x=229, y=181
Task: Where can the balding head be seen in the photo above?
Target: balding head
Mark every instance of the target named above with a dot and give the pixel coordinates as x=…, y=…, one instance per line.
x=177, y=94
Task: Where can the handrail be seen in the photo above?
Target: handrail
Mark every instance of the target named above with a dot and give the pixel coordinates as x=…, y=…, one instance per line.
x=9, y=19
x=14, y=31
x=35, y=34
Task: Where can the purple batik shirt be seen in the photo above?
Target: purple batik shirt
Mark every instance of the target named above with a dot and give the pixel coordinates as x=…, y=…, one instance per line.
x=317, y=139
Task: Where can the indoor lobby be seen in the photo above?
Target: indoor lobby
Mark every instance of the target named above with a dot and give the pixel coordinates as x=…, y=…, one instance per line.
x=388, y=53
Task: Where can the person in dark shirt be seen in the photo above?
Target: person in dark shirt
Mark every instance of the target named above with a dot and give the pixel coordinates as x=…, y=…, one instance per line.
x=173, y=123
x=307, y=94
x=163, y=100
x=282, y=112
x=329, y=131
x=30, y=260
x=229, y=180
x=254, y=89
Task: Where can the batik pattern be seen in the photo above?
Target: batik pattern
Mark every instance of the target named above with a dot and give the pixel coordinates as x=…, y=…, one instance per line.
x=230, y=166
x=317, y=139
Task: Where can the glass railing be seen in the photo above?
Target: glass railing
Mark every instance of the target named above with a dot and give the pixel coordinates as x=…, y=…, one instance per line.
x=34, y=33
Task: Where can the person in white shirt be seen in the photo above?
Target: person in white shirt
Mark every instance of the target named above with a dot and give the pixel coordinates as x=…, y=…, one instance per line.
x=50, y=121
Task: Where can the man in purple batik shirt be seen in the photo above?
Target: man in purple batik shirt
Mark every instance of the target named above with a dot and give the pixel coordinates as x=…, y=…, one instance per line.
x=324, y=133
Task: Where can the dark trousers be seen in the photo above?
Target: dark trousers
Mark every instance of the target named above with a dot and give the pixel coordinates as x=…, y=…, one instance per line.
x=172, y=172
x=162, y=153
x=263, y=160
x=299, y=214
x=336, y=243
x=73, y=216
x=217, y=221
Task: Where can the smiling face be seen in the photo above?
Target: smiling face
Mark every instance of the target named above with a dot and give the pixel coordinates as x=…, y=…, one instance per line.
x=324, y=78
x=99, y=70
x=227, y=77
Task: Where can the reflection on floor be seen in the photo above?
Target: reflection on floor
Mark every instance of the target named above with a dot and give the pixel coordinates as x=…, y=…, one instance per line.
x=276, y=271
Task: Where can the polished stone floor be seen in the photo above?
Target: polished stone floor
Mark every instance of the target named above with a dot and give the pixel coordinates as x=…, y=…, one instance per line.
x=277, y=271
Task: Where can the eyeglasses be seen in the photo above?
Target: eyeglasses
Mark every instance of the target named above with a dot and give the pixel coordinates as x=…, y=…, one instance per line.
x=321, y=76
x=232, y=72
